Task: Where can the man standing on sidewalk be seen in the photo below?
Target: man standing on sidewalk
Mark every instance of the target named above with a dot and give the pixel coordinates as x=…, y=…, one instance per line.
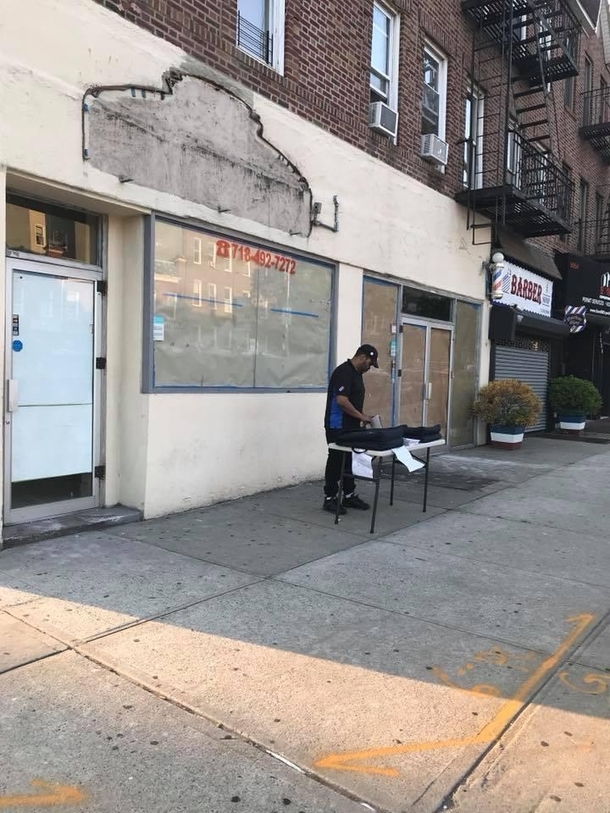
x=344, y=404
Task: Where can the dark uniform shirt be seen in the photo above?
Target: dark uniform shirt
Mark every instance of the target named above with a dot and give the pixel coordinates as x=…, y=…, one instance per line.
x=345, y=380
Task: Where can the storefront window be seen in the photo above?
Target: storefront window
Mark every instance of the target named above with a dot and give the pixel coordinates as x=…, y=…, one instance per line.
x=426, y=305
x=51, y=231
x=230, y=314
x=465, y=367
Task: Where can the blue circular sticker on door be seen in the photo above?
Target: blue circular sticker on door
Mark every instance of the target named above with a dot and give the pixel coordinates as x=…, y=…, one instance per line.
x=17, y=345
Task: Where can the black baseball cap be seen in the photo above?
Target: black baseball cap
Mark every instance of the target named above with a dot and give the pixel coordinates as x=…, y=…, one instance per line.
x=370, y=351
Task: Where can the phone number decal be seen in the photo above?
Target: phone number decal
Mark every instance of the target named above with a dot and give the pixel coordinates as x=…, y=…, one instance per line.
x=249, y=254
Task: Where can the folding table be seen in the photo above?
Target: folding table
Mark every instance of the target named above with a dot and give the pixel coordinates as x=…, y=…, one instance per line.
x=377, y=472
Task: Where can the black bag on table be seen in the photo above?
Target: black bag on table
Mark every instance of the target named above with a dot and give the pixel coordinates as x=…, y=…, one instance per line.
x=372, y=440
x=425, y=434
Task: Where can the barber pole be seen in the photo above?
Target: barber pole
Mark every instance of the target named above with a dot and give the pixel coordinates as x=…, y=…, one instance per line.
x=496, y=283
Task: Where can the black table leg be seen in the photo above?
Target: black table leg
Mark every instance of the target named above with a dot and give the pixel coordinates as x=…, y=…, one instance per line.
x=340, y=488
x=392, y=480
x=426, y=480
x=377, y=479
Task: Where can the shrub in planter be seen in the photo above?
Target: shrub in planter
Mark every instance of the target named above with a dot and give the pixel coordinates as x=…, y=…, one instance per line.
x=573, y=399
x=508, y=406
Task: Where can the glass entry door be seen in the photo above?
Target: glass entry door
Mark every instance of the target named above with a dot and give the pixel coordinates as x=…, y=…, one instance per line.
x=425, y=377
x=50, y=393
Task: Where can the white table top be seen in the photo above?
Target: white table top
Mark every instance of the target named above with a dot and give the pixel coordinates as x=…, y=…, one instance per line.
x=389, y=452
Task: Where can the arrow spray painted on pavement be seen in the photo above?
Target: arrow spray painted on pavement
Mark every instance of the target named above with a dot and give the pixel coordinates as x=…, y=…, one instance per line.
x=489, y=732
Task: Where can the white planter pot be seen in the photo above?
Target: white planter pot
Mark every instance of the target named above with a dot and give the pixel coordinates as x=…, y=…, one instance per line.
x=509, y=440
x=571, y=425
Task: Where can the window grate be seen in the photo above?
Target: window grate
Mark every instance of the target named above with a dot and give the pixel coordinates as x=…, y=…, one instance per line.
x=254, y=41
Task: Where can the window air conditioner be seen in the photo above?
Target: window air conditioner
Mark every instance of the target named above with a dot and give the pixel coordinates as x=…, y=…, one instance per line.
x=434, y=150
x=383, y=118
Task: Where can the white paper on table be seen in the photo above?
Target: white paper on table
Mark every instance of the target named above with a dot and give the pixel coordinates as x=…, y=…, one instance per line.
x=362, y=465
x=407, y=459
x=411, y=442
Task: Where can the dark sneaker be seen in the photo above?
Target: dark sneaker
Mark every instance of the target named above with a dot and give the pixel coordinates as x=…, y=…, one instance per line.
x=330, y=505
x=355, y=502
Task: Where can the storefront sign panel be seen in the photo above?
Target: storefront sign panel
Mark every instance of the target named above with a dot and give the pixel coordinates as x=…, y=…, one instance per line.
x=589, y=286
x=525, y=290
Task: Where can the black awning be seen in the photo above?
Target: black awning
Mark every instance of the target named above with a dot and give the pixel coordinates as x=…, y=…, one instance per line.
x=541, y=324
x=598, y=319
x=528, y=255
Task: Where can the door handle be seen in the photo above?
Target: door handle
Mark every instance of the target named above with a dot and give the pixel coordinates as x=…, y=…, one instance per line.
x=12, y=395
x=428, y=390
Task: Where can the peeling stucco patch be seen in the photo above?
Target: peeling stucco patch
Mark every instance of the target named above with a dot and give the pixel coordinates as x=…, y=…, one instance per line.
x=201, y=143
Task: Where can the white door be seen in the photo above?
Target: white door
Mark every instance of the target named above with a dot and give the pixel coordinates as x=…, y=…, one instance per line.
x=51, y=426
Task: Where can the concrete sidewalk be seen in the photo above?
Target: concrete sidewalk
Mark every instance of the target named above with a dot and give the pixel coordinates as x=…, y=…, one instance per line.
x=459, y=658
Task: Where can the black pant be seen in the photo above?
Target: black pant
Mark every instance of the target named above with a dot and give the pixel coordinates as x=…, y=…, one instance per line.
x=333, y=467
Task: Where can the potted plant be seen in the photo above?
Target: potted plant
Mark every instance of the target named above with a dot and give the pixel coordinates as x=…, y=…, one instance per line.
x=508, y=406
x=574, y=399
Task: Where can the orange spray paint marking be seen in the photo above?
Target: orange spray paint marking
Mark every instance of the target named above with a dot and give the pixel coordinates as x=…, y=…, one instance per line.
x=489, y=732
x=50, y=795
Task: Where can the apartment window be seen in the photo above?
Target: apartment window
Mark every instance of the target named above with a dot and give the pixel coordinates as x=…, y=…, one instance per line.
x=472, y=173
x=514, y=154
x=587, y=112
x=599, y=219
x=537, y=182
x=197, y=250
x=434, y=99
x=260, y=30
x=384, y=57
x=604, y=101
x=568, y=92
x=564, y=199
x=583, y=213
x=269, y=330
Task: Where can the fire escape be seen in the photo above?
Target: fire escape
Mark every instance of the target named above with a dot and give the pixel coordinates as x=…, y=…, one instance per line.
x=593, y=236
x=512, y=176
x=595, y=126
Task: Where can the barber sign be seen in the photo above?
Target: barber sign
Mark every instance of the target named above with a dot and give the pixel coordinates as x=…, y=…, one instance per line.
x=528, y=291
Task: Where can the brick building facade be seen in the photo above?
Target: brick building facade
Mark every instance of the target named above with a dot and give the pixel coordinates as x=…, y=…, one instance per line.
x=327, y=60
x=325, y=79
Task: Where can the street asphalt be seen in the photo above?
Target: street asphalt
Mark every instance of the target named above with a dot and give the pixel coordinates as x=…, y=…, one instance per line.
x=255, y=657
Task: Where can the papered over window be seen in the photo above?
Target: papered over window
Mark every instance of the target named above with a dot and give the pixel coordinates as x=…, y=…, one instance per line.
x=230, y=313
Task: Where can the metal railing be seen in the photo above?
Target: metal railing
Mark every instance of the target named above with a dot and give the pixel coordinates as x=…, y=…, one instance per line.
x=526, y=171
x=596, y=108
x=539, y=178
x=254, y=41
x=548, y=25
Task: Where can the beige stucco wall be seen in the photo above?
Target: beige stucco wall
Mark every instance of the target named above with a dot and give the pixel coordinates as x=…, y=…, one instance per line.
x=174, y=451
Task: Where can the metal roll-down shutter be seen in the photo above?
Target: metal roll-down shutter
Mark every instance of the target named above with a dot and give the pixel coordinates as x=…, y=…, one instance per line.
x=529, y=366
